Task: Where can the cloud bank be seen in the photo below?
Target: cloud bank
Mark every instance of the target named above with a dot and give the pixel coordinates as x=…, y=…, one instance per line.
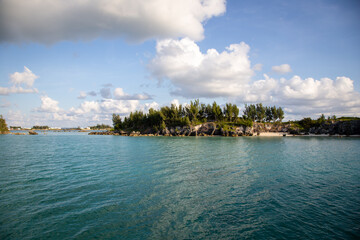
x=48, y=22
x=229, y=75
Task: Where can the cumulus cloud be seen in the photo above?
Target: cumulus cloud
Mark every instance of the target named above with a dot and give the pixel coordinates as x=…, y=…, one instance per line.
x=324, y=95
x=282, y=69
x=105, y=107
x=306, y=97
x=21, y=83
x=137, y=20
x=229, y=74
x=119, y=94
x=195, y=74
x=27, y=77
x=48, y=105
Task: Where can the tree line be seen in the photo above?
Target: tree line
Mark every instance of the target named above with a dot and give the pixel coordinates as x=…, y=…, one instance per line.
x=196, y=113
x=100, y=126
x=3, y=125
x=40, y=127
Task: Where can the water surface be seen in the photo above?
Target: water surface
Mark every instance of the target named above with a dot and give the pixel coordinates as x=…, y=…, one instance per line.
x=75, y=186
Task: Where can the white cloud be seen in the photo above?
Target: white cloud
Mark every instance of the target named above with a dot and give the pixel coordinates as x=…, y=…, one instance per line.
x=26, y=77
x=48, y=105
x=229, y=74
x=57, y=20
x=175, y=102
x=282, y=69
x=119, y=94
x=195, y=74
x=107, y=106
x=306, y=97
x=17, y=79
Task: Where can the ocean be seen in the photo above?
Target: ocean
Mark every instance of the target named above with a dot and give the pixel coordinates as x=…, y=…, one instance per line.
x=76, y=186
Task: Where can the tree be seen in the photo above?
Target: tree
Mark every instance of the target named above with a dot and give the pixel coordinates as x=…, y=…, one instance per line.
x=250, y=112
x=192, y=111
x=117, y=123
x=321, y=119
x=260, y=112
x=268, y=114
x=3, y=126
x=274, y=113
x=280, y=114
x=231, y=111
x=216, y=110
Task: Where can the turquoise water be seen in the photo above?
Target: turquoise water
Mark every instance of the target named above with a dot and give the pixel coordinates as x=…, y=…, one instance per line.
x=75, y=186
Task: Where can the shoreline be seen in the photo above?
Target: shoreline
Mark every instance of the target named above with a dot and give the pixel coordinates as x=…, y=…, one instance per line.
x=261, y=134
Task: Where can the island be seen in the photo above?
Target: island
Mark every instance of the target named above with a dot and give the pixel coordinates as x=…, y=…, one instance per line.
x=197, y=119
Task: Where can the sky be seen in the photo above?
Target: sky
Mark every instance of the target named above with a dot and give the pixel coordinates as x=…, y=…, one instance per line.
x=75, y=63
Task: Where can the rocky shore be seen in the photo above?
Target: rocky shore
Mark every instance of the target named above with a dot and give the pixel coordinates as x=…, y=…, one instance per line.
x=346, y=128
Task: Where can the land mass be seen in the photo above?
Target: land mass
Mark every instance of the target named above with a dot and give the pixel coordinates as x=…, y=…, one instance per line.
x=333, y=128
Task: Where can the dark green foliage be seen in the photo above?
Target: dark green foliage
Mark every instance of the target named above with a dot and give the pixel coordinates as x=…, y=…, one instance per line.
x=244, y=122
x=117, y=123
x=100, y=126
x=347, y=118
x=250, y=112
x=280, y=114
x=269, y=115
x=260, y=112
x=40, y=127
x=306, y=123
x=231, y=112
x=3, y=125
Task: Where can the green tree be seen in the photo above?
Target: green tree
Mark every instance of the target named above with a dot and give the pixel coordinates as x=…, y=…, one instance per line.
x=117, y=123
x=3, y=125
x=260, y=112
x=249, y=112
x=192, y=111
x=216, y=111
x=231, y=111
x=280, y=114
x=274, y=113
x=321, y=119
x=268, y=114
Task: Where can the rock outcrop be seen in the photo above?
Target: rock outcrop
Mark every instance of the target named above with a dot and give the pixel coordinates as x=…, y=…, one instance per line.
x=338, y=128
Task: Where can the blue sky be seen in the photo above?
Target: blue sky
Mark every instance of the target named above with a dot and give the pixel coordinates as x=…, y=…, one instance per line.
x=75, y=63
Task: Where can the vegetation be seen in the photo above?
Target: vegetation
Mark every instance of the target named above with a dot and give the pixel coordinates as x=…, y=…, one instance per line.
x=3, y=126
x=40, y=127
x=15, y=127
x=306, y=123
x=100, y=126
x=260, y=113
x=196, y=113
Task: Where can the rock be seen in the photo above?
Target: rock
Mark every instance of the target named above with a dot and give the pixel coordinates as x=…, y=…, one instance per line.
x=31, y=132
